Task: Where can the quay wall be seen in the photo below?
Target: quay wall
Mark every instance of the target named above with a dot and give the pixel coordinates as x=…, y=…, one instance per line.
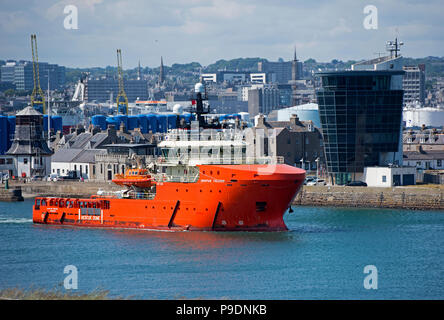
x=415, y=198
x=72, y=189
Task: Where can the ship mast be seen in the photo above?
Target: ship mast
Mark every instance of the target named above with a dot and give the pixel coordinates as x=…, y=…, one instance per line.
x=49, y=115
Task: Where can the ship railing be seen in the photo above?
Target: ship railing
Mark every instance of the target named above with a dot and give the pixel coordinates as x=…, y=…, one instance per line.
x=139, y=195
x=127, y=194
x=221, y=160
x=163, y=177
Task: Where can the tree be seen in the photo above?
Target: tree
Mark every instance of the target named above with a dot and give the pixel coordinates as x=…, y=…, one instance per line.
x=10, y=92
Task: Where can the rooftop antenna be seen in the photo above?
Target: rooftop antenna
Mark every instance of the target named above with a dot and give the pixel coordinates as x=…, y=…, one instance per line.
x=379, y=54
x=394, y=47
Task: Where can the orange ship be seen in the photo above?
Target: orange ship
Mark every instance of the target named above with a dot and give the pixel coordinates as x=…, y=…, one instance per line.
x=222, y=197
x=190, y=188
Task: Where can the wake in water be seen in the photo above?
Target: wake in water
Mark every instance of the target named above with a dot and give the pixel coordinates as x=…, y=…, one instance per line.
x=14, y=220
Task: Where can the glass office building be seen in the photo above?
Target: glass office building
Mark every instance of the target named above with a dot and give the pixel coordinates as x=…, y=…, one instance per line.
x=360, y=113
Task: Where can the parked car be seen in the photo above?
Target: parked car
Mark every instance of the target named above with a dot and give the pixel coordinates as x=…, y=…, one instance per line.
x=72, y=175
x=356, y=184
x=53, y=177
x=37, y=178
x=317, y=182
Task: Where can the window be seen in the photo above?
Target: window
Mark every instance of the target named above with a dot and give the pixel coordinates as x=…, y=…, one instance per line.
x=439, y=163
x=25, y=161
x=384, y=178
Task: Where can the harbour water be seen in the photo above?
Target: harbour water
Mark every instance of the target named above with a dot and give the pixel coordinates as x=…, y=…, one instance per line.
x=322, y=257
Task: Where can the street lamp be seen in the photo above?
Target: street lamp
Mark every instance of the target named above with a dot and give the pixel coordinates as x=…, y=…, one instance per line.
x=317, y=168
x=302, y=163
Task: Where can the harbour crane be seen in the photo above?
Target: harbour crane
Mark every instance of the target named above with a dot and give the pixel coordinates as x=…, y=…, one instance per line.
x=122, y=106
x=37, y=96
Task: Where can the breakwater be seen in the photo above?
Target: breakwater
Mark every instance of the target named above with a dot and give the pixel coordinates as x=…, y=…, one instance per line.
x=12, y=194
x=413, y=197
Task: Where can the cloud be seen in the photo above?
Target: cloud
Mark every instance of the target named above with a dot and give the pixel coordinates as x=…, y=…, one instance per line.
x=208, y=30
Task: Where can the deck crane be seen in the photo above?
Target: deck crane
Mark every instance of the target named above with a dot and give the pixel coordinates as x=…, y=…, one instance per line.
x=37, y=96
x=122, y=106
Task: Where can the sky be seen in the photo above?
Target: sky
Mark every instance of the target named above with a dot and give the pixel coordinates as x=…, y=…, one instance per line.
x=204, y=31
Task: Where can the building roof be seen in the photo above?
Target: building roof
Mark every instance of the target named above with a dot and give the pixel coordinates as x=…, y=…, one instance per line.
x=81, y=140
x=88, y=155
x=76, y=155
x=416, y=155
x=65, y=155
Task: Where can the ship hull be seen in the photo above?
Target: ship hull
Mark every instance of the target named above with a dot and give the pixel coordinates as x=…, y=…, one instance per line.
x=225, y=198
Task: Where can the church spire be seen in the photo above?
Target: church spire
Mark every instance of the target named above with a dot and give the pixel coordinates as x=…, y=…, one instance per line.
x=294, y=78
x=161, y=72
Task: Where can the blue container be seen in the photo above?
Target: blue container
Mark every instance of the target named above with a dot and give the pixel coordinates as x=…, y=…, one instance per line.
x=132, y=122
x=142, y=123
x=4, y=134
x=11, y=130
x=152, y=123
x=162, y=123
x=57, y=123
x=187, y=118
x=121, y=118
x=99, y=121
x=171, y=121
x=112, y=121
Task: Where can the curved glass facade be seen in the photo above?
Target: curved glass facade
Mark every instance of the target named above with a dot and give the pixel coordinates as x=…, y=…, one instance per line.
x=360, y=118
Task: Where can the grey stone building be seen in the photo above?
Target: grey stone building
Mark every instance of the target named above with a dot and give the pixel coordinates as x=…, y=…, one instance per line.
x=298, y=142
